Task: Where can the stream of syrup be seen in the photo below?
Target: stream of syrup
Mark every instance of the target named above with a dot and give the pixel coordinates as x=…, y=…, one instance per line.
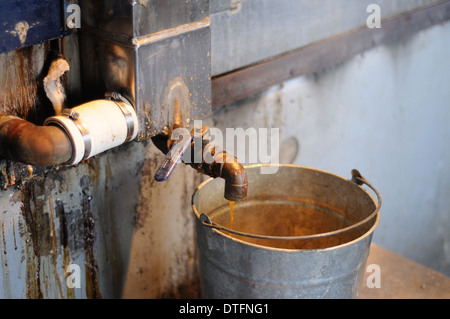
x=231, y=214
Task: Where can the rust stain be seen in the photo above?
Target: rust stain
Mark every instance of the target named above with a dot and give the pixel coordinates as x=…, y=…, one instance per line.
x=12, y=178
x=33, y=280
x=5, y=270
x=64, y=241
x=54, y=250
x=30, y=170
x=92, y=287
x=148, y=183
x=19, y=86
x=40, y=211
x=15, y=173
x=32, y=212
x=37, y=221
x=3, y=237
x=14, y=236
x=70, y=292
x=5, y=176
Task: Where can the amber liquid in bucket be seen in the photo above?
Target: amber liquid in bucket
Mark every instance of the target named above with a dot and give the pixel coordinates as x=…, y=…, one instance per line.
x=284, y=218
x=231, y=214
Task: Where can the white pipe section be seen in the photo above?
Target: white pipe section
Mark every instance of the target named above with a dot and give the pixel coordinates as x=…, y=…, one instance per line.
x=97, y=126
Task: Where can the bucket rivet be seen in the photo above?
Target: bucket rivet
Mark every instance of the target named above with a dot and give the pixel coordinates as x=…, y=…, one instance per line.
x=205, y=219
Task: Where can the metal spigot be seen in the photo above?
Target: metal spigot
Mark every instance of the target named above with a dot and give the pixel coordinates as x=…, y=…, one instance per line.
x=211, y=161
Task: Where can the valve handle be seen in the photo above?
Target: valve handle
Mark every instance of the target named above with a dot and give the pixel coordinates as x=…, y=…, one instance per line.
x=173, y=157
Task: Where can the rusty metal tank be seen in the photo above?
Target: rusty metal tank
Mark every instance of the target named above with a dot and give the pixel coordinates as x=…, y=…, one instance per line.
x=299, y=233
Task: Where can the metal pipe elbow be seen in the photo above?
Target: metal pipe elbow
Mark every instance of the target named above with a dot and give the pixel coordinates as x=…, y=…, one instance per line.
x=235, y=178
x=24, y=142
x=214, y=162
x=227, y=166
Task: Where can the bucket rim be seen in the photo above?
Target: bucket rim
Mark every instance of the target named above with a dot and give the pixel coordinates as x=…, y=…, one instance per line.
x=357, y=179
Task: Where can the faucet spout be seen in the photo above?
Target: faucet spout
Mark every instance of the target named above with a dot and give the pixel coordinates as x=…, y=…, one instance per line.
x=226, y=166
x=214, y=163
x=235, y=180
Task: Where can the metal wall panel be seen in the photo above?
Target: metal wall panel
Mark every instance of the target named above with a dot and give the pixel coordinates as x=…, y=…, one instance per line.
x=140, y=18
x=140, y=48
x=257, y=30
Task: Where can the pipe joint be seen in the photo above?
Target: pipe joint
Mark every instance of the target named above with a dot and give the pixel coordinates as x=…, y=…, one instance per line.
x=214, y=162
x=75, y=135
x=97, y=126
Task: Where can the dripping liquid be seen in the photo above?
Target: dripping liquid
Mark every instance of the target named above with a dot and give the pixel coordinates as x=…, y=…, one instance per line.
x=231, y=215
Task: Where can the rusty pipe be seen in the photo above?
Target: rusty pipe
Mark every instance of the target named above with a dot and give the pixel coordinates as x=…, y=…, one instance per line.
x=235, y=180
x=227, y=166
x=27, y=143
x=75, y=135
x=214, y=162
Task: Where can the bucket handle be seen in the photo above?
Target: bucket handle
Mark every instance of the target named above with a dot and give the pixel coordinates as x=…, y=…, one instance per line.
x=356, y=178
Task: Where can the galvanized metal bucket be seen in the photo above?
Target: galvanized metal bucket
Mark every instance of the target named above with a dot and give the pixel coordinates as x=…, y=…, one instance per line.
x=299, y=233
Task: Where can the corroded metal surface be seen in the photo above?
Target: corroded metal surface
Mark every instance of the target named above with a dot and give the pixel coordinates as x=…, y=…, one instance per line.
x=140, y=57
x=24, y=142
x=107, y=218
x=206, y=158
x=104, y=215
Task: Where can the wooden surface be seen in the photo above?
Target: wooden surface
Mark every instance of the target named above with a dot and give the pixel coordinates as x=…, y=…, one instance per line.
x=402, y=278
